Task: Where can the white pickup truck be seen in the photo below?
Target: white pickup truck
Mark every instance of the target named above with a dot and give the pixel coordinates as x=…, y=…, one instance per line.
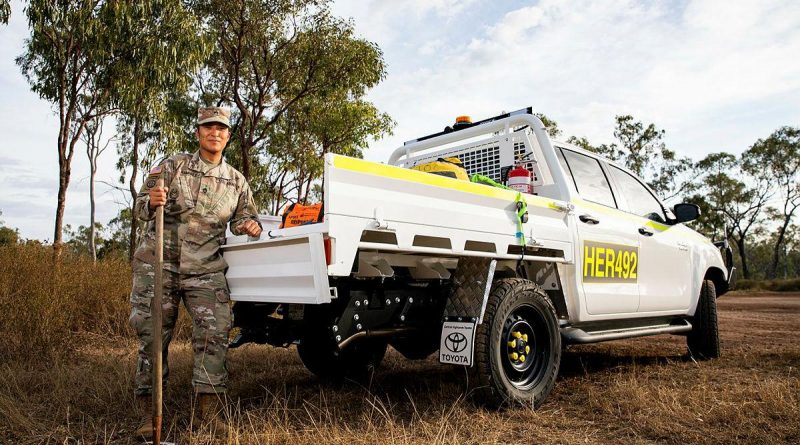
x=424, y=262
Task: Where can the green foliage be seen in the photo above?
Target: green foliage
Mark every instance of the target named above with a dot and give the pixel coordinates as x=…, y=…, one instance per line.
x=732, y=195
x=110, y=242
x=642, y=150
x=5, y=11
x=296, y=76
x=778, y=158
x=161, y=49
x=8, y=236
x=550, y=125
x=65, y=53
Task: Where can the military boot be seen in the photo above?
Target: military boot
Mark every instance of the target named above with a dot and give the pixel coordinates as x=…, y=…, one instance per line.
x=211, y=414
x=144, y=407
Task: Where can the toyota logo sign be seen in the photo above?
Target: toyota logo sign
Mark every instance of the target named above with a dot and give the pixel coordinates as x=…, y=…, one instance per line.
x=455, y=342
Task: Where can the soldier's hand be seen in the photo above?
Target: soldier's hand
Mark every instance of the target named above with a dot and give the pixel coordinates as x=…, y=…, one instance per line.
x=251, y=228
x=158, y=196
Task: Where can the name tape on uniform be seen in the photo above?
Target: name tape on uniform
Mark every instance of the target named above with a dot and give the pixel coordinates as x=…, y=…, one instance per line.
x=610, y=263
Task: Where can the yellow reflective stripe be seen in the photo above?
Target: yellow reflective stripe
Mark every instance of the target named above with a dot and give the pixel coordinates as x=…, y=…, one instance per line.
x=404, y=174
x=684, y=231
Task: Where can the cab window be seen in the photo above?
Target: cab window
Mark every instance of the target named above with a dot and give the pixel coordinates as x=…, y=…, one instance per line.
x=590, y=181
x=639, y=199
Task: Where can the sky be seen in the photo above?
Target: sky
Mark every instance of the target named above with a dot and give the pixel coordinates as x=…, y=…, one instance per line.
x=716, y=75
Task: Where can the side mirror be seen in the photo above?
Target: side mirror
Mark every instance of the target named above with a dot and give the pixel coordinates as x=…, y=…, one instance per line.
x=686, y=212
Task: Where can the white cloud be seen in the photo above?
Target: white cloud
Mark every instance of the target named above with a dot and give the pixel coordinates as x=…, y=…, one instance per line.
x=584, y=62
x=431, y=47
x=717, y=75
x=386, y=22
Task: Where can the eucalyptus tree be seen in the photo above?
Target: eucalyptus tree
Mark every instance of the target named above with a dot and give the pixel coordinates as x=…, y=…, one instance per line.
x=271, y=55
x=334, y=119
x=642, y=149
x=778, y=158
x=301, y=138
x=735, y=195
x=5, y=11
x=65, y=62
x=93, y=138
x=160, y=48
x=95, y=57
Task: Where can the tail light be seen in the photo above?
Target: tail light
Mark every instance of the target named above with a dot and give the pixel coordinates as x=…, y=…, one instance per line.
x=328, y=254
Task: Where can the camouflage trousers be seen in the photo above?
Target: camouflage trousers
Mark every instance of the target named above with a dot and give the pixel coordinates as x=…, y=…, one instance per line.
x=207, y=299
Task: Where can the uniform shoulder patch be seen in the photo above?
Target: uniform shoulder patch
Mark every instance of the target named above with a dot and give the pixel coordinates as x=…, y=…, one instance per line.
x=155, y=170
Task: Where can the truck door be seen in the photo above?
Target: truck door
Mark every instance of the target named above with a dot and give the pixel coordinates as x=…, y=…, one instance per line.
x=665, y=267
x=606, y=257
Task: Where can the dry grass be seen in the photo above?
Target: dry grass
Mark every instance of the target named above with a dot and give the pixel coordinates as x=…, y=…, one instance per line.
x=78, y=389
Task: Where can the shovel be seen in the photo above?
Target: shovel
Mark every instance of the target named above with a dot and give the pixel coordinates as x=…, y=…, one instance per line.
x=158, y=292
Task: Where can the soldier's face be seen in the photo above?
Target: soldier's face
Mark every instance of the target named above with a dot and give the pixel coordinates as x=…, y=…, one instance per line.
x=213, y=137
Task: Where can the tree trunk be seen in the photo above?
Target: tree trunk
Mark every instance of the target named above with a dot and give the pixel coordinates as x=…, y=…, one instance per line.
x=772, y=272
x=132, y=239
x=740, y=245
x=93, y=170
x=63, y=184
x=245, y=146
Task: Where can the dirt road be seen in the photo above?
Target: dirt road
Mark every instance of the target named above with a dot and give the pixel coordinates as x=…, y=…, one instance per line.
x=638, y=391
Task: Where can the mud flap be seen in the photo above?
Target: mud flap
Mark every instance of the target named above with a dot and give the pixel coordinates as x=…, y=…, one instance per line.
x=472, y=282
x=458, y=343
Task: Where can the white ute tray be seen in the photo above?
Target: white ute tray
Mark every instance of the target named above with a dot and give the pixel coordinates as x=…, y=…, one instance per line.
x=289, y=268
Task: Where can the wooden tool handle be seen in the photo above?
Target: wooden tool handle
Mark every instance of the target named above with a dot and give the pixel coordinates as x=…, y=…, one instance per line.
x=155, y=313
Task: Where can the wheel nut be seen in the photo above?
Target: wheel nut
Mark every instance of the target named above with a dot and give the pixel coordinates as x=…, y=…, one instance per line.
x=527, y=349
x=358, y=303
x=338, y=338
x=410, y=299
x=514, y=356
x=396, y=299
x=366, y=302
x=525, y=337
x=358, y=326
x=388, y=302
x=522, y=358
x=512, y=344
x=335, y=328
x=402, y=318
x=355, y=317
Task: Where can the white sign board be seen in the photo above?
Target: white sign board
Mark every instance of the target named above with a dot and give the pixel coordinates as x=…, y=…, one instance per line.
x=457, y=343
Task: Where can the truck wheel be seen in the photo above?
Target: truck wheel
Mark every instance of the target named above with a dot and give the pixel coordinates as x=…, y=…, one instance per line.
x=355, y=362
x=517, y=347
x=703, y=339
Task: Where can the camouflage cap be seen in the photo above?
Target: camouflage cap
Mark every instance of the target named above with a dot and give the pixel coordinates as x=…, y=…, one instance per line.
x=213, y=114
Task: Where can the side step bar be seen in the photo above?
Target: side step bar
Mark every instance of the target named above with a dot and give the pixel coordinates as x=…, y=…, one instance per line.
x=577, y=335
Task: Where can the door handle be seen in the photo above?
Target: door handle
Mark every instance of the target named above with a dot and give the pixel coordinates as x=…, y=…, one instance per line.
x=645, y=231
x=589, y=219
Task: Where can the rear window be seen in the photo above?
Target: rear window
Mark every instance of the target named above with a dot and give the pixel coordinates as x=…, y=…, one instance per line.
x=590, y=181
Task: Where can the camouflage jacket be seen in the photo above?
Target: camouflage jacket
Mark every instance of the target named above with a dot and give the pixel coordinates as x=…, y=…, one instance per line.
x=201, y=200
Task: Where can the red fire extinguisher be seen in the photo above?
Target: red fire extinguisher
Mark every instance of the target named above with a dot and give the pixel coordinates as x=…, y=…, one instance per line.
x=519, y=179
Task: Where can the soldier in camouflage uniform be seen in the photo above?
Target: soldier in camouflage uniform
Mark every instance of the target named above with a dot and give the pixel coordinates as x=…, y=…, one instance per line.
x=201, y=195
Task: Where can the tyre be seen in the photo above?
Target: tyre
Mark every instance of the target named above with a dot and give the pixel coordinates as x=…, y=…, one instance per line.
x=355, y=362
x=517, y=347
x=703, y=339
